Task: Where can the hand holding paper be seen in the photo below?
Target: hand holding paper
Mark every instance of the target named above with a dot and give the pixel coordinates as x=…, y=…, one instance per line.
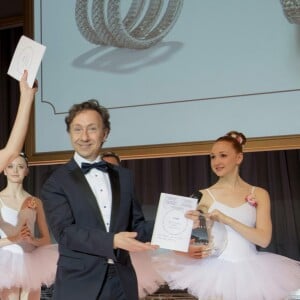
x=172, y=229
x=28, y=56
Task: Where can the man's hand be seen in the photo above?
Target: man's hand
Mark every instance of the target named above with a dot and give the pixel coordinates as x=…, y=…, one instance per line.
x=126, y=241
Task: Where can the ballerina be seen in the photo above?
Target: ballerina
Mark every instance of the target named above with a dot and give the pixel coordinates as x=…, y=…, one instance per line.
x=240, y=272
x=27, y=260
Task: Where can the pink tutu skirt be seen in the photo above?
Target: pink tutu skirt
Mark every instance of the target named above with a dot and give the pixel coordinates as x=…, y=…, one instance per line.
x=28, y=270
x=148, y=279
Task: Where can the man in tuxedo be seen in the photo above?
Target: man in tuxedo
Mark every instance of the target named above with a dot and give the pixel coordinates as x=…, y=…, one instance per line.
x=94, y=215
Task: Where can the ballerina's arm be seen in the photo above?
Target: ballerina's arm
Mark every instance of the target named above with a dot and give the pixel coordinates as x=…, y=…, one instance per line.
x=44, y=238
x=18, y=133
x=260, y=234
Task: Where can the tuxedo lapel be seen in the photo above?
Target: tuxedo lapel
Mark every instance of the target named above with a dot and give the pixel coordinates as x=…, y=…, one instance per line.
x=83, y=188
x=115, y=189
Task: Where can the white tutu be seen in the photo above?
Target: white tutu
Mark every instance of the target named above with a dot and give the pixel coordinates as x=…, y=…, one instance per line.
x=238, y=273
x=23, y=265
x=263, y=276
x=28, y=270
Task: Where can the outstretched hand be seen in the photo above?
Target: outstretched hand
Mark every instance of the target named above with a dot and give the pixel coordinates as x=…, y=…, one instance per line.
x=126, y=241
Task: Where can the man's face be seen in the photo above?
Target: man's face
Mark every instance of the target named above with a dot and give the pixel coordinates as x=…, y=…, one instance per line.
x=87, y=134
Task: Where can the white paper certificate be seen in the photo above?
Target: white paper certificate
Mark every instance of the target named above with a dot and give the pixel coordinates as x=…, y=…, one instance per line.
x=28, y=56
x=172, y=230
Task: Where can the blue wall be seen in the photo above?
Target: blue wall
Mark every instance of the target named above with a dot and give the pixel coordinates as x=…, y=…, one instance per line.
x=225, y=65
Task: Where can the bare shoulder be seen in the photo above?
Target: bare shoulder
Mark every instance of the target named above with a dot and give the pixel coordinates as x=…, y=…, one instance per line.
x=261, y=195
x=38, y=202
x=28, y=201
x=261, y=191
x=206, y=199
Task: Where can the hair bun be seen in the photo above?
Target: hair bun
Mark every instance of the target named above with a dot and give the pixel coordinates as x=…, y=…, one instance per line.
x=240, y=137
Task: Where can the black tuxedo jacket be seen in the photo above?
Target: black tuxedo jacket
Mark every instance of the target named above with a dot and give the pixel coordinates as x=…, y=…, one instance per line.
x=84, y=244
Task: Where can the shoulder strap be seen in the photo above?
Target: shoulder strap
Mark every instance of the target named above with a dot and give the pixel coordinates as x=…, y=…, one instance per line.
x=1, y=202
x=252, y=189
x=211, y=194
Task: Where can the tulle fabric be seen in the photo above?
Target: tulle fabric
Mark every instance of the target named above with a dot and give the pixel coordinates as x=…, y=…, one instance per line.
x=28, y=270
x=24, y=265
x=148, y=279
x=264, y=276
x=238, y=273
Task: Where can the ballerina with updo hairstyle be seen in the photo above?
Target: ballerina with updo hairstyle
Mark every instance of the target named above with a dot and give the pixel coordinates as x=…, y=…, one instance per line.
x=27, y=258
x=237, y=139
x=240, y=272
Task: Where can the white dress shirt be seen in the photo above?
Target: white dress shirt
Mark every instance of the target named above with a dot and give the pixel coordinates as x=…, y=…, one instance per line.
x=100, y=185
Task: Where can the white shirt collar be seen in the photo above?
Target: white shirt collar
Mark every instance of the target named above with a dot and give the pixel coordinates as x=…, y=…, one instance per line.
x=79, y=159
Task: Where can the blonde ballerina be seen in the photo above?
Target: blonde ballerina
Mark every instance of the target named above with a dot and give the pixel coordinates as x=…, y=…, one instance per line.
x=27, y=260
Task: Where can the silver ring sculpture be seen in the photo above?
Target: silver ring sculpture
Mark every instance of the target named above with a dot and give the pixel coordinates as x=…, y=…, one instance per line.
x=142, y=27
x=291, y=9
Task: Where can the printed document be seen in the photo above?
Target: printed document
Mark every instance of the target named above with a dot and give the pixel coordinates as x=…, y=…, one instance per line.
x=28, y=56
x=172, y=230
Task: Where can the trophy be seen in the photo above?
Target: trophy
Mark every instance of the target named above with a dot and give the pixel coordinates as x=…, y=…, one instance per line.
x=200, y=234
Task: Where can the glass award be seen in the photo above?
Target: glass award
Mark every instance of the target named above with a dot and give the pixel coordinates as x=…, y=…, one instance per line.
x=200, y=234
x=212, y=235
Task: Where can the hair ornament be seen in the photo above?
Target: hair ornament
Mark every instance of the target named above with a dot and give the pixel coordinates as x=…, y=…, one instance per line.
x=237, y=137
x=23, y=155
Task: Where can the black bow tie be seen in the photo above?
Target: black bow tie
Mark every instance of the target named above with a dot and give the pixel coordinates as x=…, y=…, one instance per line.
x=101, y=165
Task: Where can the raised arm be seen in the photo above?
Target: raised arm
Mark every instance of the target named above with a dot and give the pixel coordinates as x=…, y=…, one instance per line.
x=18, y=133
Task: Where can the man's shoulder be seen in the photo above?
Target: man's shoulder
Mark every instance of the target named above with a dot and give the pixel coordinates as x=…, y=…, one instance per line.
x=123, y=171
x=63, y=170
